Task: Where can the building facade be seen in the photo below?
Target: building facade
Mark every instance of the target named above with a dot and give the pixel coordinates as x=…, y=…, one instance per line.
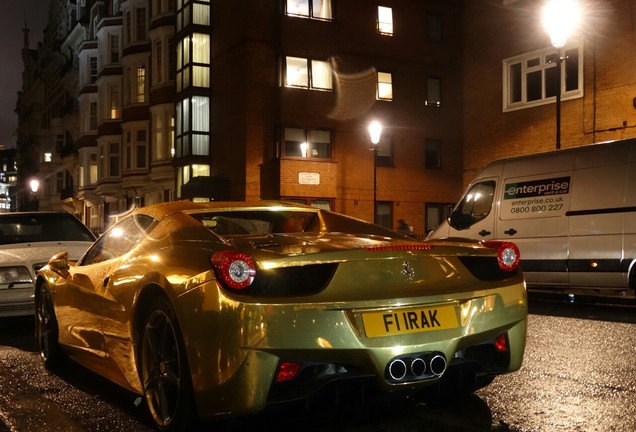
x=131, y=102
x=510, y=79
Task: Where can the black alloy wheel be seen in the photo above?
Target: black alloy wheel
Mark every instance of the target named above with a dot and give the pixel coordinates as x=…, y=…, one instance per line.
x=163, y=368
x=47, y=331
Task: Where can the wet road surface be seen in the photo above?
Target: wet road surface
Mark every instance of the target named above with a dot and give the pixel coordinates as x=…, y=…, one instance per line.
x=579, y=374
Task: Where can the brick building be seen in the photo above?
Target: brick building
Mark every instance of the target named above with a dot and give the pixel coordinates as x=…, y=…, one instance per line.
x=509, y=79
x=143, y=101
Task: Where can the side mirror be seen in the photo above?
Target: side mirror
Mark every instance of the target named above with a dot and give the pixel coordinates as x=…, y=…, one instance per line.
x=60, y=265
x=460, y=221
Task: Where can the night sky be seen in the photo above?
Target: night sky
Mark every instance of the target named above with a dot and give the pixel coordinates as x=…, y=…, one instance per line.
x=12, y=16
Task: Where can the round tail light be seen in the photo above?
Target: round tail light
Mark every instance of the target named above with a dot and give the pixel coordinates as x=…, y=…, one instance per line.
x=507, y=254
x=234, y=269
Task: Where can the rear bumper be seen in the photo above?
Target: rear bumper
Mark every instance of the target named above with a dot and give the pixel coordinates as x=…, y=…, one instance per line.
x=235, y=348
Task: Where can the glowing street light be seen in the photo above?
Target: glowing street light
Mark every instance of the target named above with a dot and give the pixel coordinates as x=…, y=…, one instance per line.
x=375, y=131
x=34, y=184
x=560, y=18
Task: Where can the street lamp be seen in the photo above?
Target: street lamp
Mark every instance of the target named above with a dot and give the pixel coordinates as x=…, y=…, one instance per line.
x=34, y=185
x=375, y=132
x=560, y=18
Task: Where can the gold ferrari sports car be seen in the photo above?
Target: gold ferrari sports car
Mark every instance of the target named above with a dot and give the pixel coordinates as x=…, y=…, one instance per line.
x=221, y=309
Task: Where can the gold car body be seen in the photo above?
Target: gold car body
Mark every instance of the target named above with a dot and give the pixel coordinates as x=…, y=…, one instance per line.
x=388, y=296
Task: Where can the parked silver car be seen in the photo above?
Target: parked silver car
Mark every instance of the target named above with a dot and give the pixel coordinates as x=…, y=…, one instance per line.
x=27, y=241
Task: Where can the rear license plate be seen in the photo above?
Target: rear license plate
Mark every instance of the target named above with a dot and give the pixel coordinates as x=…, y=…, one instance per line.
x=415, y=320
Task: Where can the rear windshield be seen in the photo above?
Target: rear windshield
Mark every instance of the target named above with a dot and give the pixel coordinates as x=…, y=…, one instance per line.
x=269, y=221
x=259, y=222
x=33, y=228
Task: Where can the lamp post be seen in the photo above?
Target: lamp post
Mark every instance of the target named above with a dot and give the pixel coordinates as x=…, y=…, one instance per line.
x=560, y=18
x=375, y=132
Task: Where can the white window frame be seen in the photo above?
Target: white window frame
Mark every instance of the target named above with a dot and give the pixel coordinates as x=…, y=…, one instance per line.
x=542, y=66
x=162, y=124
x=135, y=143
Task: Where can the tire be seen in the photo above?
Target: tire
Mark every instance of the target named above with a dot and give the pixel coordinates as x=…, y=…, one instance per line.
x=47, y=332
x=163, y=369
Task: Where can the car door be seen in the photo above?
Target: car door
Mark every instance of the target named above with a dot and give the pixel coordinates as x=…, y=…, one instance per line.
x=95, y=317
x=80, y=304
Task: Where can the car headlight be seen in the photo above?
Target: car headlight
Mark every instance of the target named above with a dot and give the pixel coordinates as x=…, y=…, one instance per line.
x=15, y=275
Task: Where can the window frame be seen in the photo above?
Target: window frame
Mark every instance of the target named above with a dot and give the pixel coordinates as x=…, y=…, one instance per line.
x=384, y=85
x=311, y=147
x=310, y=66
x=385, y=28
x=430, y=92
x=310, y=11
x=384, y=153
x=543, y=67
x=443, y=211
x=438, y=160
x=434, y=27
x=384, y=218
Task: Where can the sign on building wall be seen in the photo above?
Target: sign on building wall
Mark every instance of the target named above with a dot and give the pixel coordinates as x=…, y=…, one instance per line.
x=308, y=178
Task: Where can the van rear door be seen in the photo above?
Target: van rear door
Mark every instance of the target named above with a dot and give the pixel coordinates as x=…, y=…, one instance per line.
x=596, y=217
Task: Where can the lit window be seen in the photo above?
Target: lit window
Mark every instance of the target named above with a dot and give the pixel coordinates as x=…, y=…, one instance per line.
x=306, y=73
x=92, y=170
x=114, y=107
x=307, y=143
x=315, y=9
x=385, y=20
x=141, y=84
x=201, y=60
x=385, y=86
x=531, y=79
x=48, y=157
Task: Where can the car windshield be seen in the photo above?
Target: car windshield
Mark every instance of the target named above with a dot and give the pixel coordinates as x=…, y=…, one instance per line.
x=258, y=222
x=44, y=227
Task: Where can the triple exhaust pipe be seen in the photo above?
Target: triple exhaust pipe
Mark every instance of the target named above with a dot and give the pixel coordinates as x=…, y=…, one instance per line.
x=416, y=367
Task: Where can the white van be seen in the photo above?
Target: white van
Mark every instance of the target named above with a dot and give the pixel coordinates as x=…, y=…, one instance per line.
x=572, y=213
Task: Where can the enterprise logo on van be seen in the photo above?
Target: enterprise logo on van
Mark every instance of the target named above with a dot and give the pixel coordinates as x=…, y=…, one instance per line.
x=535, y=188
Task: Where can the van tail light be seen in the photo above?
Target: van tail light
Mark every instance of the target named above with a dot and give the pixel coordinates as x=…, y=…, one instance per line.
x=234, y=269
x=507, y=253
